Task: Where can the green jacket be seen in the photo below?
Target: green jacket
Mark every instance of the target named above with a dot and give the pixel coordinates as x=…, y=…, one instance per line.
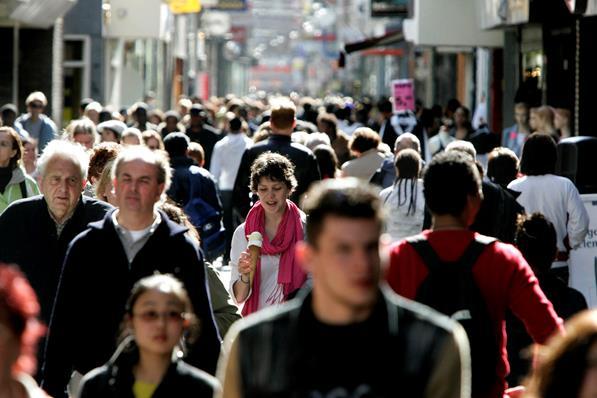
x=12, y=191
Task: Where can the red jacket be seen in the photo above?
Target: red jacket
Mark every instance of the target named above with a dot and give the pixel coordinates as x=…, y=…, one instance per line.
x=503, y=276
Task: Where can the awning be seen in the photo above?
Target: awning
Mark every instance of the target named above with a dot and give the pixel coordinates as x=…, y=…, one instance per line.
x=40, y=13
x=387, y=39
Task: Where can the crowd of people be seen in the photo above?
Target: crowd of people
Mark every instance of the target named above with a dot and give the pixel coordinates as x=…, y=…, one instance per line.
x=371, y=252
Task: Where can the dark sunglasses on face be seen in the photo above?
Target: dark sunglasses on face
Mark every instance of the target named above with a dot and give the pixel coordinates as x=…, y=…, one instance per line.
x=36, y=105
x=152, y=316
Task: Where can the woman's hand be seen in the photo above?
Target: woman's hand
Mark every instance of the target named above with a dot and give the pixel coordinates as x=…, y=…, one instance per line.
x=244, y=264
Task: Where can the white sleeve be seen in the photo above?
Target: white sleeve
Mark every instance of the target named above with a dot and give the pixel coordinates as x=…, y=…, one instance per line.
x=578, y=218
x=215, y=168
x=238, y=245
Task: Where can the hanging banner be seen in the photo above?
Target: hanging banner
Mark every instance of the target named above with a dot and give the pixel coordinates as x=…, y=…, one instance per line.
x=403, y=95
x=583, y=260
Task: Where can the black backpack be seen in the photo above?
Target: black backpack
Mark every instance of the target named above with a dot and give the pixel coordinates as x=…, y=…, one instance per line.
x=451, y=289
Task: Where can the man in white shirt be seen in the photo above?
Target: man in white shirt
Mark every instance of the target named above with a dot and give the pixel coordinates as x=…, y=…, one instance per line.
x=555, y=197
x=225, y=162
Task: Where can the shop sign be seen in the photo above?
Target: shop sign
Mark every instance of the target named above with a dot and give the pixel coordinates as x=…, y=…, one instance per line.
x=403, y=93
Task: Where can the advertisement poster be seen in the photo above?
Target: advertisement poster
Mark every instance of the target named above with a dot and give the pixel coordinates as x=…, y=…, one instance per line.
x=583, y=260
x=403, y=94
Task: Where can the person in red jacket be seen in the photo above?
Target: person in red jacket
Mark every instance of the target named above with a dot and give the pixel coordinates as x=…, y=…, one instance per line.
x=452, y=189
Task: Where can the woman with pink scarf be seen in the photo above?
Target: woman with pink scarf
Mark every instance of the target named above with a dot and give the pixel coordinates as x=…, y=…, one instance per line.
x=276, y=274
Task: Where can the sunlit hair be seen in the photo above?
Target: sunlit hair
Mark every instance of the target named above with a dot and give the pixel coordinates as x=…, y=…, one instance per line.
x=283, y=112
x=132, y=132
x=563, y=362
x=17, y=145
x=36, y=96
x=167, y=284
x=364, y=139
x=407, y=140
x=104, y=180
x=340, y=197
x=151, y=134
x=195, y=151
x=275, y=167
x=100, y=156
x=81, y=126
x=462, y=146
x=65, y=150
x=19, y=311
x=146, y=155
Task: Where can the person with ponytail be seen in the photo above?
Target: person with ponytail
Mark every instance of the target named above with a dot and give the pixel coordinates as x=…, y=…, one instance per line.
x=276, y=275
x=404, y=202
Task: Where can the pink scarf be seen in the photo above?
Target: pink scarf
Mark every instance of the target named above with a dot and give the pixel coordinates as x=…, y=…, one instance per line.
x=290, y=274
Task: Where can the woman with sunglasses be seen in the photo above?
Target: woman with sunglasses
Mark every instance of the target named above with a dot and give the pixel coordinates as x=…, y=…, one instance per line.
x=147, y=363
x=14, y=182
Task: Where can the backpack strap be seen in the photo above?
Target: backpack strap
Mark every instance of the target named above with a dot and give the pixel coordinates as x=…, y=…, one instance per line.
x=23, y=187
x=425, y=251
x=432, y=260
x=474, y=250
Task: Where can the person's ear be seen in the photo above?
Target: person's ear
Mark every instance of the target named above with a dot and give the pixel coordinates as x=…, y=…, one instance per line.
x=304, y=255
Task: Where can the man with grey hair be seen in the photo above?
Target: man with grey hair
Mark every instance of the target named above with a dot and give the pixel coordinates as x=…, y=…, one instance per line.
x=104, y=262
x=386, y=174
x=36, y=231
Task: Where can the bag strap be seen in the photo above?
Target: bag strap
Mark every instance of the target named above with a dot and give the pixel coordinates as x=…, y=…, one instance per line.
x=425, y=251
x=23, y=187
x=432, y=260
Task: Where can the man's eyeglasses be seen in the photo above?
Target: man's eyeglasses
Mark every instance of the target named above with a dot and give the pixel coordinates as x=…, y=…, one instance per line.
x=170, y=316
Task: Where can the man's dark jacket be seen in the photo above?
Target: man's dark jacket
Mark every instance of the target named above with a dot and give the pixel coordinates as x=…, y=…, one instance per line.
x=95, y=284
x=270, y=346
x=207, y=136
x=306, y=169
x=185, y=170
x=29, y=239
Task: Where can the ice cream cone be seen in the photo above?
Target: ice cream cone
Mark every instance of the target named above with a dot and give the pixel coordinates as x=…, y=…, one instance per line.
x=254, y=249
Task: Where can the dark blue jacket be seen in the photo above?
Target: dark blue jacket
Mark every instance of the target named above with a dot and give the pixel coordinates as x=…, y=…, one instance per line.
x=94, y=287
x=29, y=239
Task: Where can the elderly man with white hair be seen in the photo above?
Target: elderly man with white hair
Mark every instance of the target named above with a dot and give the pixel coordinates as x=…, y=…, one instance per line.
x=104, y=262
x=386, y=174
x=36, y=231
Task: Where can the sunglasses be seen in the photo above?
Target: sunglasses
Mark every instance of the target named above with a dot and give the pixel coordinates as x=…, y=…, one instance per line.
x=36, y=105
x=170, y=316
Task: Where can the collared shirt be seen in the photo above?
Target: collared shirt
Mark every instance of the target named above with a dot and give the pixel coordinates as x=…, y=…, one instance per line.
x=133, y=241
x=60, y=226
x=226, y=157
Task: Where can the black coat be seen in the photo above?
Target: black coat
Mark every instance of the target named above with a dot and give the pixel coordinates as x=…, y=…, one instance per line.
x=94, y=287
x=306, y=169
x=207, y=136
x=115, y=380
x=184, y=170
x=29, y=239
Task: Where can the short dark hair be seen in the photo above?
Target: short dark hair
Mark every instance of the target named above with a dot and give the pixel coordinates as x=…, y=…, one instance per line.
x=327, y=160
x=345, y=197
x=539, y=155
x=274, y=166
x=502, y=166
x=536, y=239
x=448, y=181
